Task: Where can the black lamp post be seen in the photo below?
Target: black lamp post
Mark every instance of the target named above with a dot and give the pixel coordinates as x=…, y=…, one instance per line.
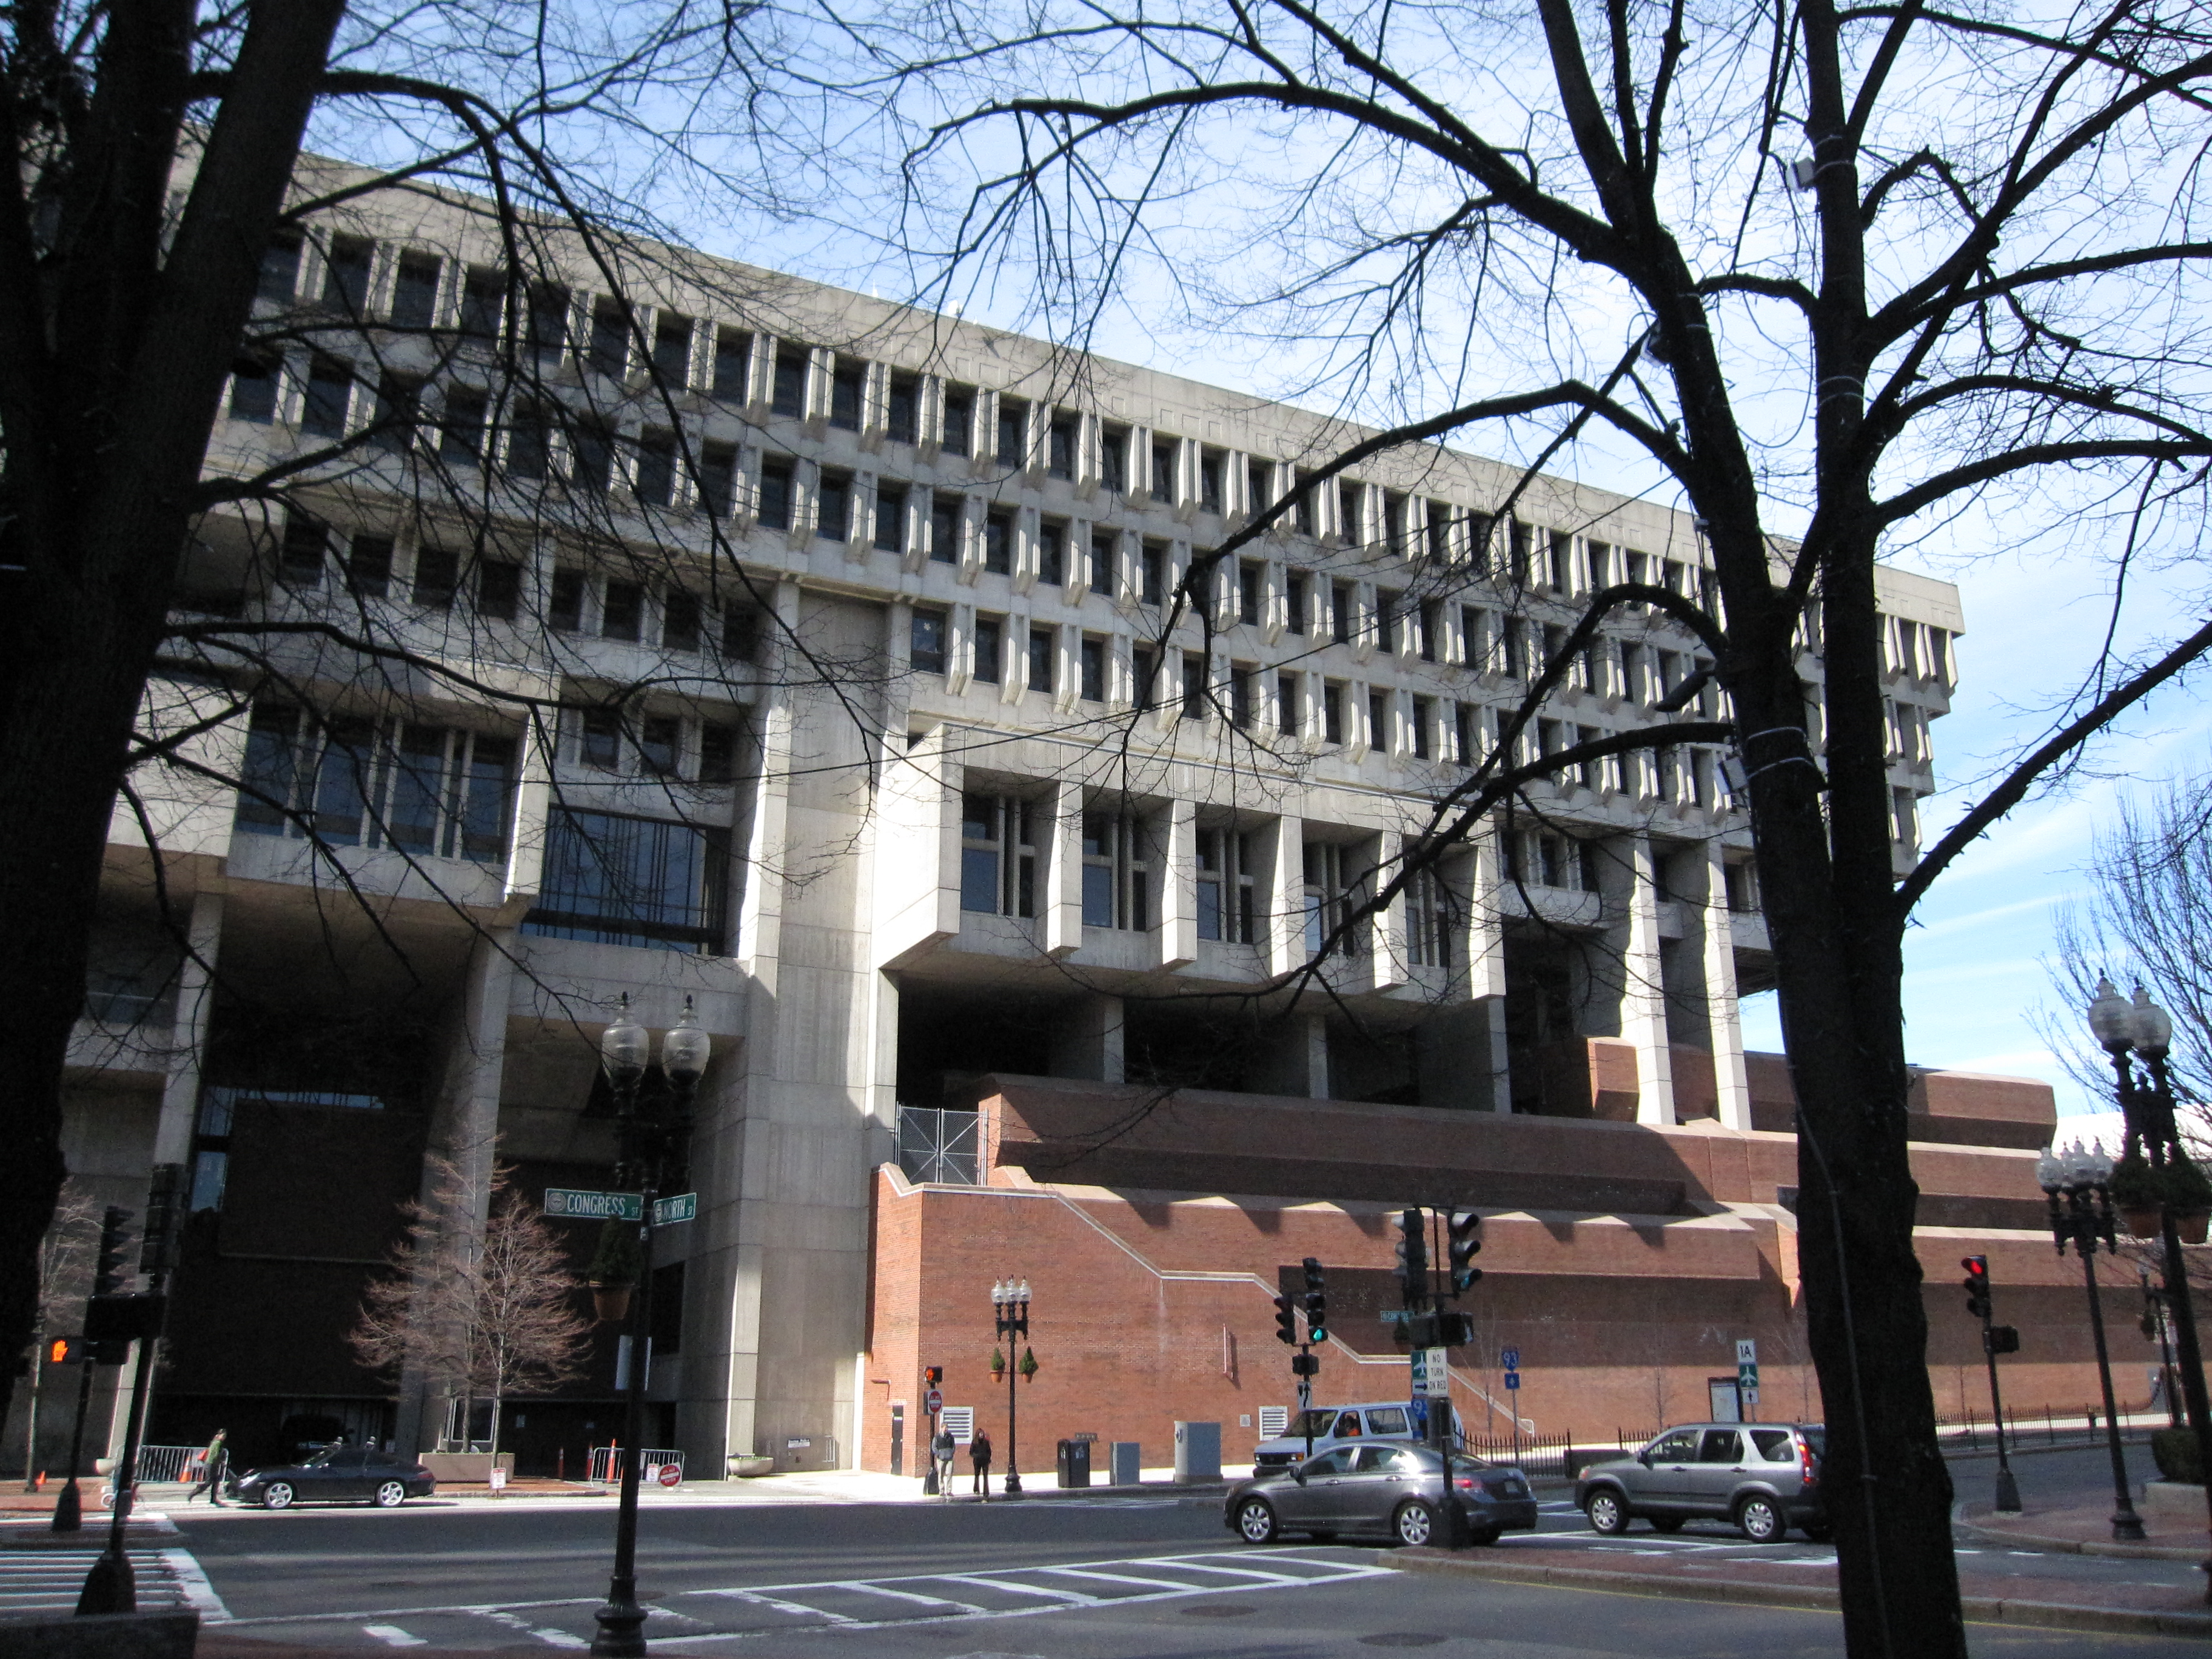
x=1010, y=1310
x=2078, y=1184
x=2147, y=1101
x=652, y=1146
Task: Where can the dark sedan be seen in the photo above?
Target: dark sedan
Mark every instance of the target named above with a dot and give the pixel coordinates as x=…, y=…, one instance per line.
x=1395, y=1491
x=339, y=1474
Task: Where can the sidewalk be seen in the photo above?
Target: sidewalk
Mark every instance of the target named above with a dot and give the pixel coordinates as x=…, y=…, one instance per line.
x=2086, y=1529
x=2010, y=1595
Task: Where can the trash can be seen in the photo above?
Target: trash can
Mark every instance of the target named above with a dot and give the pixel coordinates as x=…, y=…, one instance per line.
x=1075, y=1462
x=1127, y=1465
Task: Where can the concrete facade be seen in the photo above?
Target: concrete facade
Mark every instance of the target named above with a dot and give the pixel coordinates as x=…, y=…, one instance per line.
x=814, y=660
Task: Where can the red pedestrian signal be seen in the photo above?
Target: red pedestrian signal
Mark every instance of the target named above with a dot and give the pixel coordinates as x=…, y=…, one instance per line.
x=61, y=1350
x=1977, y=1286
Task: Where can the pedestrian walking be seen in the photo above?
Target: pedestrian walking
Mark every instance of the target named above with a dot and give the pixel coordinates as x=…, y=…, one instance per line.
x=215, y=1463
x=941, y=1448
x=979, y=1458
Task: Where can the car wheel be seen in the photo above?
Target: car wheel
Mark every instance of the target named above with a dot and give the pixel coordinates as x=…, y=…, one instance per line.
x=1256, y=1521
x=1414, y=1524
x=390, y=1494
x=1666, y=1523
x=1606, y=1513
x=276, y=1495
x=1760, y=1520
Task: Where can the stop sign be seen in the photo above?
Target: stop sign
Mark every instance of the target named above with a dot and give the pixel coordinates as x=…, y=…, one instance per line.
x=933, y=1401
x=670, y=1475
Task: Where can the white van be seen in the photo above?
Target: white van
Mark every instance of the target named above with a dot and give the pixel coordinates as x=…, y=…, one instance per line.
x=1335, y=1425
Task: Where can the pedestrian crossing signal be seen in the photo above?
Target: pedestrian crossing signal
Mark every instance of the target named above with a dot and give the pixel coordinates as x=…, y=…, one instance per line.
x=1977, y=1286
x=62, y=1350
x=1287, y=1319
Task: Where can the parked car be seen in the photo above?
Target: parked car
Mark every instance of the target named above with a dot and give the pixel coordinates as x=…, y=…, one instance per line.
x=1765, y=1477
x=339, y=1474
x=1404, y=1421
x=1379, y=1487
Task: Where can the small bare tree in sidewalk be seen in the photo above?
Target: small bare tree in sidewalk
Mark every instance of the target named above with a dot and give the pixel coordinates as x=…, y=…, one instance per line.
x=478, y=1319
x=65, y=1256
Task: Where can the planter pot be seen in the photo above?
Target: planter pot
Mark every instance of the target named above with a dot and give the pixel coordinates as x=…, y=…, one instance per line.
x=2192, y=1224
x=2140, y=1223
x=610, y=1303
x=749, y=1466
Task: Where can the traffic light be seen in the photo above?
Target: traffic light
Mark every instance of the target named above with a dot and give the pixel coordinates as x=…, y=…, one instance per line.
x=933, y=1375
x=164, y=1205
x=63, y=1350
x=1977, y=1286
x=1316, y=1303
x=108, y=1268
x=1465, y=1234
x=1413, y=1256
x=1286, y=1319
x=1455, y=1330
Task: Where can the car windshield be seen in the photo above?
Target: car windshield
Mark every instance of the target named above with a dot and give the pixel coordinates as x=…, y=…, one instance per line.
x=1317, y=1423
x=1818, y=1439
x=322, y=1459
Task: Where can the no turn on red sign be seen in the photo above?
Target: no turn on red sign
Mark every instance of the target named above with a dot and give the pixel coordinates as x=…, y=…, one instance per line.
x=669, y=1474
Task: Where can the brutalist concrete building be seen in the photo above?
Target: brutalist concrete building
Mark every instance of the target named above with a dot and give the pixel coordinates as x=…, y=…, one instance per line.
x=743, y=641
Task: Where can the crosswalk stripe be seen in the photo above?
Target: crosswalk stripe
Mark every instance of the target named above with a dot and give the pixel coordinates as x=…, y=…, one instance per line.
x=799, y=1607
x=913, y=1595
x=1122, y=1577
x=395, y=1637
x=1045, y=1590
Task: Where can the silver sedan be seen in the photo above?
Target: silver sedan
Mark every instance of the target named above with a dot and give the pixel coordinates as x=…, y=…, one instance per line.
x=1394, y=1490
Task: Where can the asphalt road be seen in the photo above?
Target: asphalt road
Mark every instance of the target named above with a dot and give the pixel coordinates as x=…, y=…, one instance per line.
x=1096, y=1578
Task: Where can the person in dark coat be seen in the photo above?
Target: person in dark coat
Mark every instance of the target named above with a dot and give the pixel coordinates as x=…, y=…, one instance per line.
x=215, y=1464
x=979, y=1458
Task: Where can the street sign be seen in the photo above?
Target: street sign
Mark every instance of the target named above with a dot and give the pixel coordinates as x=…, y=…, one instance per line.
x=1509, y=1360
x=1431, y=1373
x=670, y=1473
x=684, y=1206
x=581, y=1205
x=1512, y=1379
x=1747, y=1368
x=933, y=1401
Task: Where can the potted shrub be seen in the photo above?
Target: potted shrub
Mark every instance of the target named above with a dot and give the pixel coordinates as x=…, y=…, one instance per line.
x=615, y=1267
x=2134, y=1189
x=998, y=1365
x=2189, y=1195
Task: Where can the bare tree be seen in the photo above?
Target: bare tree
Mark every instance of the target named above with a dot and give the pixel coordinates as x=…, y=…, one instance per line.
x=479, y=1318
x=65, y=1261
x=1845, y=274
x=152, y=177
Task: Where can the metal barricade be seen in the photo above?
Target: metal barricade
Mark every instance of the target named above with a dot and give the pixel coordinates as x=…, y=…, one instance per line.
x=606, y=1468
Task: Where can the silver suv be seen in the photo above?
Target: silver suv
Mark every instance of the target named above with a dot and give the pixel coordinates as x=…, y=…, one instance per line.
x=1765, y=1477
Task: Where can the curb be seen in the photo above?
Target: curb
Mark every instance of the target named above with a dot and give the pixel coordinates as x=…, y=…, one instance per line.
x=1206, y=1489
x=1977, y=1609
x=2079, y=1546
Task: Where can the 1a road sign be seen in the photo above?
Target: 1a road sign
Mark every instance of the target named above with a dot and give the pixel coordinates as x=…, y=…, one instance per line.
x=1747, y=1368
x=933, y=1401
x=1509, y=1360
x=578, y=1205
x=1512, y=1379
x=684, y=1206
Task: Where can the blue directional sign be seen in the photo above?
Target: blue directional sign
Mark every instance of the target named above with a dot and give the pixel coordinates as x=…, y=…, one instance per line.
x=1509, y=1360
x=1512, y=1379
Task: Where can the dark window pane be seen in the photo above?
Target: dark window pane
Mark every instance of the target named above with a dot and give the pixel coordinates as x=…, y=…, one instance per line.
x=631, y=881
x=656, y=468
x=345, y=274
x=417, y=787
x=548, y=319
x=499, y=590
x=398, y=411
x=253, y=390
x=927, y=648
x=998, y=545
x=789, y=396
x=733, y=355
x=330, y=390
x=368, y=566
x=671, y=349
x=272, y=771
x=979, y=879
x=679, y=621
x=845, y=386
x=1051, y=554
x=718, y=753
x=1013, y=432
x=592, y=458
x=959, y=420
x=903, y=416
x=1094, y=671
x=415, y=290
x=601, y=745
x=279, y=276
x=1060, y=462
x=622, y=616
x=833, y=520
x=609, y=352
x=944, y=530
x=437, y=573
x=527, y=443
x=990, y=649
x=775, y=496
x=461, y=434
x=483, y=301
x=490, y=787
x=659, y=740
x=300, y=561
x=890, y=518
x=565, y=610
x=718, y=478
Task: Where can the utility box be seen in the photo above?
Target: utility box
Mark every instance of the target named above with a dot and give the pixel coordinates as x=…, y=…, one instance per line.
x=1128, y=1463
x=1075, y=1462
x=1198, y=1453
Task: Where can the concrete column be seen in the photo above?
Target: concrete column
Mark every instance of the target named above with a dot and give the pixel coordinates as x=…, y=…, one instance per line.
x=1392, y=951
x=760, y=910
x=1643, y=987
x=1296, y=1062
x=1087, y=1040
x=1063, y=874
x=1716, y=931
x=1285, y=946
x=180, y=1090
x=1178, y=887
x=1485, y=967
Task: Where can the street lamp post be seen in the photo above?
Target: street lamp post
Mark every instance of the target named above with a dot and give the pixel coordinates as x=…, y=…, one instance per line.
x=1010, y=1311
x=2155, y=1328
x=653, y=1147
x=2078, y=1185
x=2148, y=1105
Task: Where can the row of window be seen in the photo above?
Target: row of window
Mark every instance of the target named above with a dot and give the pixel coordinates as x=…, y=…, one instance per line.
x=432, y=791
x=417, y=289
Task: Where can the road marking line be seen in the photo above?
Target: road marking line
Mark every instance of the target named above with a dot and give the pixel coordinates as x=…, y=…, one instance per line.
x=1021, y=1589
x=1121, y=1577
x=1245, y=1572
x=191, y=1578
x=551, y=1638
x=797, y=1608
x=392, y=1636
x=910, y=1595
